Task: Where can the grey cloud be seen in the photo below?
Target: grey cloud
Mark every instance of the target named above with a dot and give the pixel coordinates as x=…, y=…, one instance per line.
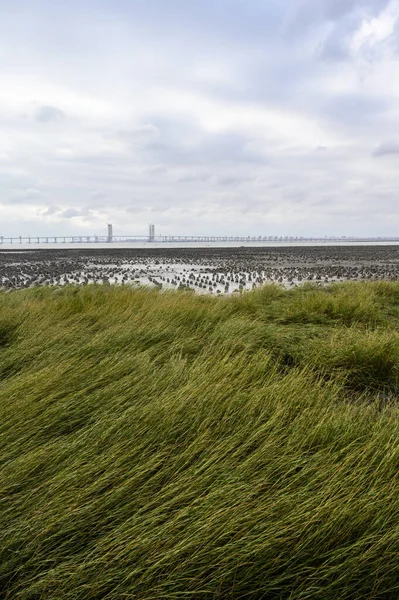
x=154, y=170
x=194, y=177
x=336, y=9
x=140, y=135
x=70, y=213
x=98, y=195
x=32, y=193
x=45, y=114
x=208, y=177
x=388, y=147
x=394, y=39
x=346, y=18
x=51, y=210
x=336, y=46
x=310, y=12
x=23, y=196
x=335, y=21
x=231, y=180
x=185, y=144
x=356, y=111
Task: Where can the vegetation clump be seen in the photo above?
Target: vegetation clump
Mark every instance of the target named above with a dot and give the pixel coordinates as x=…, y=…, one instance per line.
x=164, y=445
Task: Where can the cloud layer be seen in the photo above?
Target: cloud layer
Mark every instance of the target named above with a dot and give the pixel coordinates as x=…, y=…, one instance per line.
x=211, y=117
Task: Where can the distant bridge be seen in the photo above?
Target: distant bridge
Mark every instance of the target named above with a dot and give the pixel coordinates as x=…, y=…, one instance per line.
x=101, y=239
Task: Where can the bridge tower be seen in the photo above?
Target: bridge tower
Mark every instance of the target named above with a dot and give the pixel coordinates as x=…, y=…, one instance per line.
x=110, y=237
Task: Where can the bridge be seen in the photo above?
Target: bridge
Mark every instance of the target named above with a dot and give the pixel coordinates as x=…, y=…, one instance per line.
x=101, y=239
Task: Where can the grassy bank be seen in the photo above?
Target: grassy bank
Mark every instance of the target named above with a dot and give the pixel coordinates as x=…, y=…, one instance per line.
x=166, y=445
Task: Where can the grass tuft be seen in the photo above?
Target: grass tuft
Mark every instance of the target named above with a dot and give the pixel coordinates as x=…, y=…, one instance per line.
x=163, y=445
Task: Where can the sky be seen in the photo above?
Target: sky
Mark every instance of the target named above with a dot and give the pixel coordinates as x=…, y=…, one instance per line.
x=218, y=117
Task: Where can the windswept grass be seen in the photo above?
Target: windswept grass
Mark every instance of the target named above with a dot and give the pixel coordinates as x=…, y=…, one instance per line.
x=166, y=445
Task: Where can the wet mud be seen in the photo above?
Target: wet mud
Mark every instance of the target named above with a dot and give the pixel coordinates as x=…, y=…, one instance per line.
x=204, y=270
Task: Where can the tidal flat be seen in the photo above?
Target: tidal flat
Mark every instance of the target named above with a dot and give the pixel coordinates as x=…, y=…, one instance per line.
x=203, y=270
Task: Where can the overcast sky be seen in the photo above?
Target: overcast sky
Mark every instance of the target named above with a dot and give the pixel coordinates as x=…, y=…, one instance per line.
x=272, y=117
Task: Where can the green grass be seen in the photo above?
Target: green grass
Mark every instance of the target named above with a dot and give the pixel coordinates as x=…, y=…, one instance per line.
x=162, y=445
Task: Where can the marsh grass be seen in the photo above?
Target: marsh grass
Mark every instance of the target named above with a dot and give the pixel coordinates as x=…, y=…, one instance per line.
x=166, y=445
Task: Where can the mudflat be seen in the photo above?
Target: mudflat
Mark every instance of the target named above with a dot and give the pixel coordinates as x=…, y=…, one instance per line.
x=204, y=270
